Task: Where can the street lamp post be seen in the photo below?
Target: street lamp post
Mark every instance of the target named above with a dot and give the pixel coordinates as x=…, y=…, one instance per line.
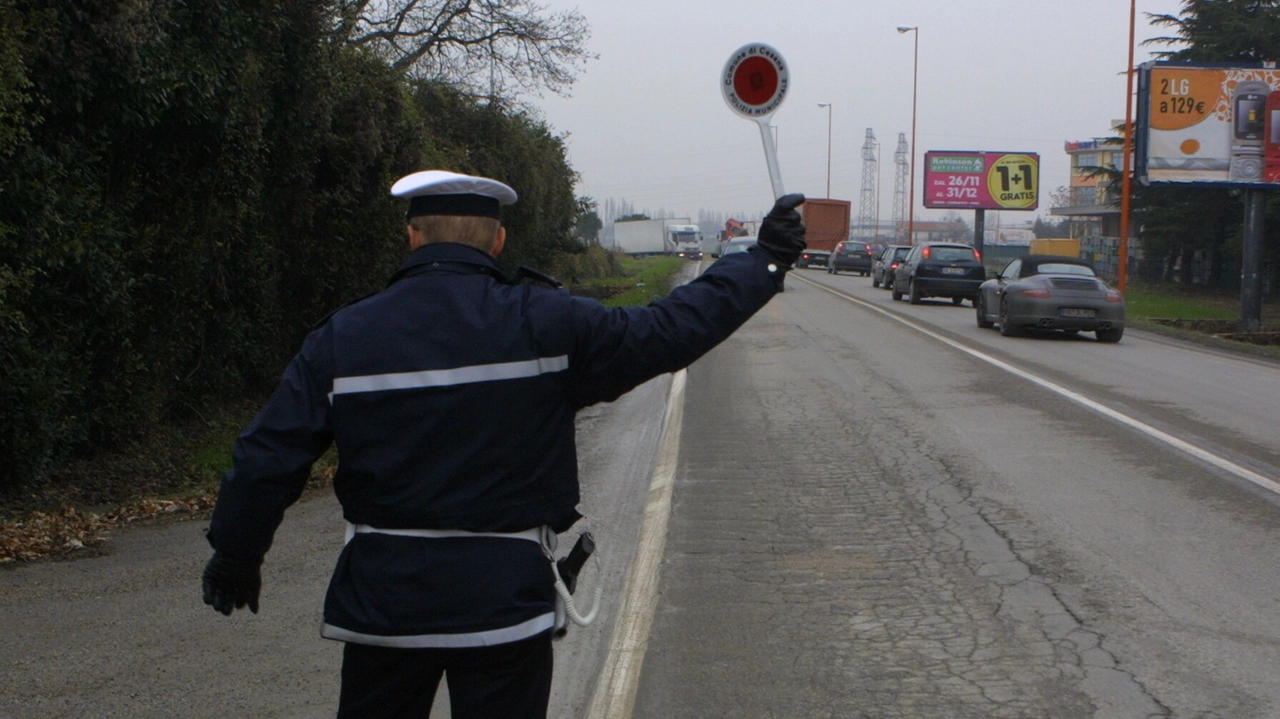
x=915, y=66
x=828, y=106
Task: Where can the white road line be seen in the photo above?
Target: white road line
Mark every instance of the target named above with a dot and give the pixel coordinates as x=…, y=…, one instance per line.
x=1197, y=452
x=616, y=690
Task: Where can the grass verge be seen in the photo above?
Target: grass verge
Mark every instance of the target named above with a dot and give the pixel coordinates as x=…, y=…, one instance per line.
x=1152, y=307
x=651, y=279
x=1165, y=301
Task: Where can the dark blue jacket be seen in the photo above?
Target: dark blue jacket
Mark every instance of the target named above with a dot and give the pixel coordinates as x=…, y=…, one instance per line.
x=451, y=398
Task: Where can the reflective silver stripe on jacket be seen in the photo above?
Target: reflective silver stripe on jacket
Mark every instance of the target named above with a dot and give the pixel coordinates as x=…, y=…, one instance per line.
x=533, y=535
x=448, y=377
x=523, y=630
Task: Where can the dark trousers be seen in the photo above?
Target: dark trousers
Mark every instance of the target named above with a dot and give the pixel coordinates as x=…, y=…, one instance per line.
x=505, y=681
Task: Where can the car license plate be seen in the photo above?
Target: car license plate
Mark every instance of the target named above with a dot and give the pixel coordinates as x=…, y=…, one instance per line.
x=953, y=270
x=1075, y=312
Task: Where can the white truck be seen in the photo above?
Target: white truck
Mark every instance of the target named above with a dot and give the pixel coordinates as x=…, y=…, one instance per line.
x=673, y=236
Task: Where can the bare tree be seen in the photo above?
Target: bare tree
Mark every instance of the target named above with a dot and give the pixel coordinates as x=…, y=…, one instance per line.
x=487, y=46
x=1060, y=197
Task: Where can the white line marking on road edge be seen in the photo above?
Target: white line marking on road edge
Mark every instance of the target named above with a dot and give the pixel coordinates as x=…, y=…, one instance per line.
x=1201, y=454
x=616, y=690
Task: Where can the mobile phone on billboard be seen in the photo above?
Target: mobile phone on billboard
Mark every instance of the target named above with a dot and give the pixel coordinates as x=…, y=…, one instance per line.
x=1248, y=125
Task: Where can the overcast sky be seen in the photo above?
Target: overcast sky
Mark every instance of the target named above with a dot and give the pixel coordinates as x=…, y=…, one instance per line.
x=646, y=121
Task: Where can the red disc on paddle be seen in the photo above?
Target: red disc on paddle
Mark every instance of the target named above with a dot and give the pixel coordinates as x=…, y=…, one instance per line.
x=754, y=81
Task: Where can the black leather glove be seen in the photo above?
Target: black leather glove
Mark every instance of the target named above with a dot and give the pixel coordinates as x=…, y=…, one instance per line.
x=782, y=232
x=231, y=584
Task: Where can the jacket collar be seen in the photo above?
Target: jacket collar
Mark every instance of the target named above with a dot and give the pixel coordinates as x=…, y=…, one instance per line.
x=448, y=257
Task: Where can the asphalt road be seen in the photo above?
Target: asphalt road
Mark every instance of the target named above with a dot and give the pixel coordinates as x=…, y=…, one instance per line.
x=869, y=519
x=873, y=520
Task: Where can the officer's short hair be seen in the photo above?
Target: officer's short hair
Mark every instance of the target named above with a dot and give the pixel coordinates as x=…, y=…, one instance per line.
x=470, y=230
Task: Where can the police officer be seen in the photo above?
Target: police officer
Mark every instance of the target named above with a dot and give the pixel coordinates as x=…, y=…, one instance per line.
x=451, y=398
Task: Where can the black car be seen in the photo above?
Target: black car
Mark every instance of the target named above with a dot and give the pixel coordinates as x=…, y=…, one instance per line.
x=886, y=263
x=850, y=256
x=812, y=258
x=939, y=269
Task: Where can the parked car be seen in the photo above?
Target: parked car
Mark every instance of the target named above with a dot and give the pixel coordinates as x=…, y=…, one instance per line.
x=886, y=263
x=939, y=269
x=813, y=258
x=850, y=256
x=1051, y=293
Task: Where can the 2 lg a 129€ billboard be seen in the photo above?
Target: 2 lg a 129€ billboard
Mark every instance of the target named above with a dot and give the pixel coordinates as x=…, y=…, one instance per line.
x=1208, y=124
x=981, y=180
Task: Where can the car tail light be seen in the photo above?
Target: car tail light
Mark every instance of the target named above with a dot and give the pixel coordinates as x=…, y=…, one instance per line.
x=1041, y=293
x=893, y=265
x=925, y=253
x=1114, y=296
x=977, y=255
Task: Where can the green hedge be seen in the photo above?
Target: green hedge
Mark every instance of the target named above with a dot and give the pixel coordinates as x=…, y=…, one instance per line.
x=186, y=187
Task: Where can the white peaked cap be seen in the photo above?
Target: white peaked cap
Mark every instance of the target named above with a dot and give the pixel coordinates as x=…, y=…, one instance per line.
x=441, y=182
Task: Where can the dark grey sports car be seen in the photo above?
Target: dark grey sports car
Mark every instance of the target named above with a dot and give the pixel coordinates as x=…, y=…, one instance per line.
x=1050, y=293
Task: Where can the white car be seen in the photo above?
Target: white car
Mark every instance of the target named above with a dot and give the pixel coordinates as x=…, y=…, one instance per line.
x=740, y=244
x=737, y=244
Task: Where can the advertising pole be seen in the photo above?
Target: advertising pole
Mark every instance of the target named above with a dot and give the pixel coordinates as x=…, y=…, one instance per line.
x=979, y=229
x=1255, y=215
x=1126, y=180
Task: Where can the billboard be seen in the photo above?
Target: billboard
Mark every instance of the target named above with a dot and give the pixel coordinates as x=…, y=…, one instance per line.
x=981, y=180
x=1208, y=124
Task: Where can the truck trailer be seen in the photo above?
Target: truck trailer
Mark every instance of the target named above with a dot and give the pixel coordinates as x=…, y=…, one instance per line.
x=672, y=236
x=826, y=222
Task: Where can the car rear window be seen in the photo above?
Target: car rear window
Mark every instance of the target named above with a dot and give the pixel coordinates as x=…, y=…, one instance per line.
x=952, y=254
x=1062, y=268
